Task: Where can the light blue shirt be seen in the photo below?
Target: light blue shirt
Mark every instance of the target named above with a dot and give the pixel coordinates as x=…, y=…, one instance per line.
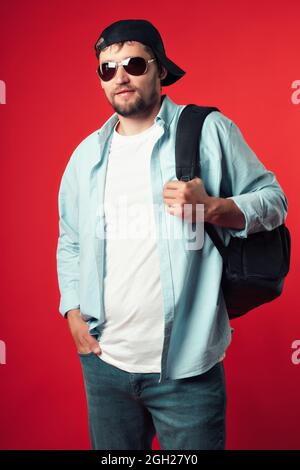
x=196, y=325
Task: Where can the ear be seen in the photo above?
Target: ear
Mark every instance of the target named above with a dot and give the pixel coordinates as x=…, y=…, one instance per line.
x=163, y=73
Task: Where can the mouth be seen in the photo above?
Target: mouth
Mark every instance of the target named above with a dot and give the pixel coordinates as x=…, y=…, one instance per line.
x=125, y=93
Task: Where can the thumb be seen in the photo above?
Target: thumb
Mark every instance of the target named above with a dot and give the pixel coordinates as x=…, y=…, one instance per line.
x=94, y=345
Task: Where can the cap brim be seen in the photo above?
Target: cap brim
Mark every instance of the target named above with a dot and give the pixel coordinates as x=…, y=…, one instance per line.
x=174, y=72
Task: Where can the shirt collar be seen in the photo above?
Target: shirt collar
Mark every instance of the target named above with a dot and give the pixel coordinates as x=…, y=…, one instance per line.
x=166, y=112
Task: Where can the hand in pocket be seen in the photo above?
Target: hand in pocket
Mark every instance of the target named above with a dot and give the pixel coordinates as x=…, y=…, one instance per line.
x=85, y=343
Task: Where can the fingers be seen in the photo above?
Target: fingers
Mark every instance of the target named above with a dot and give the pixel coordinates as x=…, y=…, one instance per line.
x=174, y=209
x=174, y=184
x=170, y=194
x=93, y=344
x=84, y=341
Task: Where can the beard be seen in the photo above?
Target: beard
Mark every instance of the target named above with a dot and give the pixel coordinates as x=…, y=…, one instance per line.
x=138, y=106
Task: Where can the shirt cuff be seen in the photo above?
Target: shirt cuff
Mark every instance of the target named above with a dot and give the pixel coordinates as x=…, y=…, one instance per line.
x=250, y=205
x=69, y=301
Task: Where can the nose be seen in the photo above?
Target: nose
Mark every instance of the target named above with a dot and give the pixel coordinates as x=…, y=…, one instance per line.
x=121, y=75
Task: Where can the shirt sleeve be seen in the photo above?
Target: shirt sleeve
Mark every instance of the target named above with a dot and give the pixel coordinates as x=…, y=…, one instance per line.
x=67, y=253
x=253, y=188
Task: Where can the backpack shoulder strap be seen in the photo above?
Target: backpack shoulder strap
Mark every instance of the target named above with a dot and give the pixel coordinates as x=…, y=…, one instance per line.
x=188, y=134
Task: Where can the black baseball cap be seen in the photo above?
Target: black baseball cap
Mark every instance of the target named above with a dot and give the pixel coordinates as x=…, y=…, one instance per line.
x=142, y=31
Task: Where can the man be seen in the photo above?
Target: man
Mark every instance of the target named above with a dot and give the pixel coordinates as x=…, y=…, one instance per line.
x=147, y=314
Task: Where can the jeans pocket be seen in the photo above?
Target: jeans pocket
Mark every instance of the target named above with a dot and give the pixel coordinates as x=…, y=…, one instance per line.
x=85, y=354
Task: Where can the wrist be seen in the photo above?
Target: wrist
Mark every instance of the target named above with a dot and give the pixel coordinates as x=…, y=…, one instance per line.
x=73, y=313
x=212, y=209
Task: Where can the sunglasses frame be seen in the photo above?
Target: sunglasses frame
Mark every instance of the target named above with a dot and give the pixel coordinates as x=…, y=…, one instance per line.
x=124, y=62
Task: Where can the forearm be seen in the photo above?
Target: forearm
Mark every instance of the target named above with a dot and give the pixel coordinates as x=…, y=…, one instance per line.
x=224, y=212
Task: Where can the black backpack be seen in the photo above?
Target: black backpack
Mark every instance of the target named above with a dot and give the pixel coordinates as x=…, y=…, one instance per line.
x=254, y=268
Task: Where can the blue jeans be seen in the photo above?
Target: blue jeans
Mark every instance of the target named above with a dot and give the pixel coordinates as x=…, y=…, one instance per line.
x=126, y=410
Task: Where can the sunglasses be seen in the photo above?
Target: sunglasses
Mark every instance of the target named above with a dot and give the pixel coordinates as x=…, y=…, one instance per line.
x=132, y=65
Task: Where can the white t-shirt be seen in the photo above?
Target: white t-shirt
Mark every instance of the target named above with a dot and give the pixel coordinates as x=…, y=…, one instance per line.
x=132, y=338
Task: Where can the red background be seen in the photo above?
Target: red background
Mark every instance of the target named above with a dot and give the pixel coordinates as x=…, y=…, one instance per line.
x=240, y=57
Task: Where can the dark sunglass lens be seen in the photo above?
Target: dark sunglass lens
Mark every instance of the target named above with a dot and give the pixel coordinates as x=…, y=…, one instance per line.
x=107, y=72
x=136, y=66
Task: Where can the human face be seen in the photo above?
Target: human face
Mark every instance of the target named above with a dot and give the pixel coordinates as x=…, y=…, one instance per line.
x=144, y=89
